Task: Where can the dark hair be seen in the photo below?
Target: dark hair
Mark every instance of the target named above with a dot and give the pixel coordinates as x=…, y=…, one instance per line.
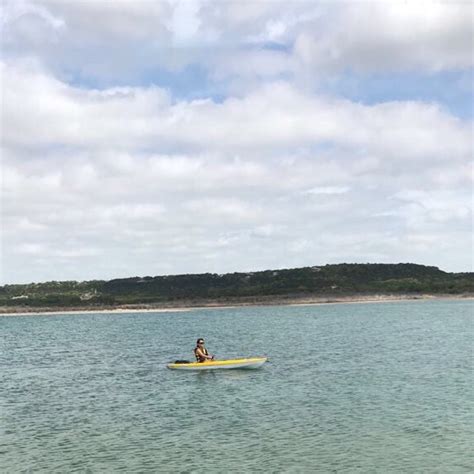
x=200, y=339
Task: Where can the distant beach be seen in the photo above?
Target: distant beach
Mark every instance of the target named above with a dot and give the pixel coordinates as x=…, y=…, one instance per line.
x=184, y=306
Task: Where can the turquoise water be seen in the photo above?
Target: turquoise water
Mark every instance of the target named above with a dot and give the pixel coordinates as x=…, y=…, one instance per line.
x=348, y=388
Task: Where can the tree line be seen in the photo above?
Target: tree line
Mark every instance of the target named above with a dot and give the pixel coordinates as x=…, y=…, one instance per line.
x=327, y=280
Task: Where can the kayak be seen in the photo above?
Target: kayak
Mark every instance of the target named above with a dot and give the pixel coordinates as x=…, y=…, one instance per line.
x=250, y=363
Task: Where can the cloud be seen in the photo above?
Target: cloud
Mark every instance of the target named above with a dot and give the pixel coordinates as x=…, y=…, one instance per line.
x=328, y=190
x=128, y=40
x=267, y=179
x=391, y=36
x=275, y=115
x=446, y=206
x=107, y=173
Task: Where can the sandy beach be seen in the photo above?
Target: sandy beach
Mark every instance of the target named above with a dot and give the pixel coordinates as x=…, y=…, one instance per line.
x=190, y=306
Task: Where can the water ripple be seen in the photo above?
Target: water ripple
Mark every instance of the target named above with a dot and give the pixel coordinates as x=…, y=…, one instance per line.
x=349, y=388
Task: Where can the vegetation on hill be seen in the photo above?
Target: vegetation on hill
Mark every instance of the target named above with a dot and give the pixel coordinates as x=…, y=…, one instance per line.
x=327, y=280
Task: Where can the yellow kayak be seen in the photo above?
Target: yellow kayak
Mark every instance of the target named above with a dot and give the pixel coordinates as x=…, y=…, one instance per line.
x=250, y=363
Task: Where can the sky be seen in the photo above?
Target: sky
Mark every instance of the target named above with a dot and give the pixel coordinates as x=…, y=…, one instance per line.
x=144, y=138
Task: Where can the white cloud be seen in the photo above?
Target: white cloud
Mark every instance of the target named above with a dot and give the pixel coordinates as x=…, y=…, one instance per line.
x=391, y=36
x=328, y=190
x=184, y=23
x=250, y=64
x=223, y=209
x=438, y=206
x=273, y=116
x=135, y=180
x=120, y=19
x=129, y=172
x=130, y=38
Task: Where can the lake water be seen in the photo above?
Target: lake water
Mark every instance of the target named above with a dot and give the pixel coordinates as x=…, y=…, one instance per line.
x=348, y=388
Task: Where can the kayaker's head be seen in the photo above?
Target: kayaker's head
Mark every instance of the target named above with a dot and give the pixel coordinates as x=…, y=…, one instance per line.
x=200, y=342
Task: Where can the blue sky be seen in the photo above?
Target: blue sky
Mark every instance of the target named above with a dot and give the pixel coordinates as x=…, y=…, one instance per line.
x=146, y=138
x=450, y=89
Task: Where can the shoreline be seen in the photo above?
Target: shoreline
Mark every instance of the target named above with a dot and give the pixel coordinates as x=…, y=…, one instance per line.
x=190, y=306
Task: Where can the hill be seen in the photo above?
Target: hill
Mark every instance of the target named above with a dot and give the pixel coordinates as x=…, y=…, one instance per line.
x=330, y=281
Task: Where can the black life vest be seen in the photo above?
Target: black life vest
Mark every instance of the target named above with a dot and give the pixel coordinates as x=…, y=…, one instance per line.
x=204, y=350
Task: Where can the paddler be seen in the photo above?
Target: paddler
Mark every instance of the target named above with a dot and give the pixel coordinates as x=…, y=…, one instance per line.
x=201, y=353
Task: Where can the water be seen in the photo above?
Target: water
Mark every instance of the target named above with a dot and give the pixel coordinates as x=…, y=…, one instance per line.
x=348, y=388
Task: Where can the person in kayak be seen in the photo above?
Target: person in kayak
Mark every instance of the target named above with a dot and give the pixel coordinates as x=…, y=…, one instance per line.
x=201, y=353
